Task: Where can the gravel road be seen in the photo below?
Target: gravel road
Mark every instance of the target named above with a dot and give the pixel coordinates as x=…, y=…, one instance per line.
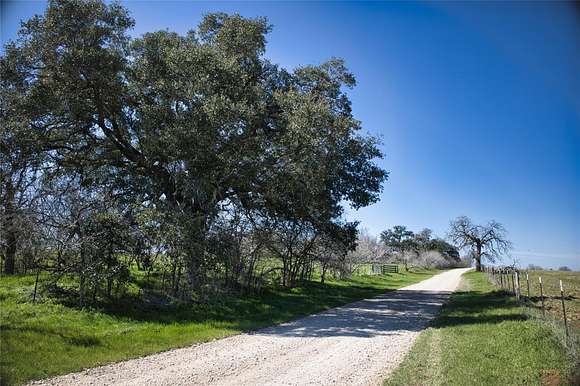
x=357, y=344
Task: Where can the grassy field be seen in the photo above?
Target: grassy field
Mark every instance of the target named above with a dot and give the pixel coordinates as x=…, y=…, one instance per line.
x=483, y=337
x=553, y=302
x=49, y=338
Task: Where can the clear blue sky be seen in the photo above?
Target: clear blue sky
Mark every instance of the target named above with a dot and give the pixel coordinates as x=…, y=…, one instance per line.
x=478, y=104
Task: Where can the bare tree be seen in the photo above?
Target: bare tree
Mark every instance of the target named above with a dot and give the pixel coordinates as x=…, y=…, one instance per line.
x=369, y=248
x=484, y=241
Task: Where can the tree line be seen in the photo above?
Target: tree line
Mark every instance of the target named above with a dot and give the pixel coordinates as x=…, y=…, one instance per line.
x=479, y=242
x=400, y=245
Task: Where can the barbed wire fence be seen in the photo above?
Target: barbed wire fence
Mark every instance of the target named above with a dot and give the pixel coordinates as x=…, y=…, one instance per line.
x=517, y=283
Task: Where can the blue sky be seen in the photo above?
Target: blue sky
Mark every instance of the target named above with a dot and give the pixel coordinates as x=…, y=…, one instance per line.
x=477, y=104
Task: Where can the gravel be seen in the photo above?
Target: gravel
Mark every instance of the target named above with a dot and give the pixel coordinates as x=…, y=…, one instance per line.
x=357, y=344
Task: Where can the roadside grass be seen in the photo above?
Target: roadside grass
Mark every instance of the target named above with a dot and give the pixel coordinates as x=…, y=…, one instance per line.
x=483, y=337
x=38, y=340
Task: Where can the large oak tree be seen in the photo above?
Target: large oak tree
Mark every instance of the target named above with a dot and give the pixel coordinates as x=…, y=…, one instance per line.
x=187, y=124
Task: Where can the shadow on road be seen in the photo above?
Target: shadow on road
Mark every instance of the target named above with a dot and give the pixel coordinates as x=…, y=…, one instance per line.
x=387, y=314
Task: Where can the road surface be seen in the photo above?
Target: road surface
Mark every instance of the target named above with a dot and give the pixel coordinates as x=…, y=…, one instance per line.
x=357, y=344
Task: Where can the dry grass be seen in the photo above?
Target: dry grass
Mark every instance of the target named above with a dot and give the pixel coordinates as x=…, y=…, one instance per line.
x=553, y=301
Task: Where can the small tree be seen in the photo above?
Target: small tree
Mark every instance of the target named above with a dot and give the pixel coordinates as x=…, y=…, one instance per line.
x=395, y=237
x=335, y=250
x=400, y=242
x=368, y=248
x=485, y=241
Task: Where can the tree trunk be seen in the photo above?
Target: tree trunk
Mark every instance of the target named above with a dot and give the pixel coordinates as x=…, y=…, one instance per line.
x=174, y=276
x=284, y=271
x=109, y=286
x=10, y=229
x=196, y=248
x=83, y=263
x=95, y=289
x=82, y=290
x=323, y=275
x=177, y=281
x=478, y=258
x=250, y=274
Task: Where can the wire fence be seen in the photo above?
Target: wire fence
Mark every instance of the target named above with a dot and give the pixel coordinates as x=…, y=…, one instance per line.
x=518, y=283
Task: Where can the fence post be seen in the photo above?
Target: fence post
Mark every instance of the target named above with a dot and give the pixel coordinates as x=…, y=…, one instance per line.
x=528, y=284
x=513, y=282
x=542, y=296
x=35, y=285
x=517, y=283
x=564, y=309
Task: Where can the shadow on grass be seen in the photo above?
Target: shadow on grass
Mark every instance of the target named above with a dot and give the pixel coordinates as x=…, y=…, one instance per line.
x=399, y=311
x=474, y=307
x=77, y=340
x=270, y=306
x=552, y=297
x=387, y=313
x=450, y=321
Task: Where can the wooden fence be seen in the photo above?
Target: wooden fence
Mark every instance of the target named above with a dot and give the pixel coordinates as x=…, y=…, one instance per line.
x=378, y=268
x=389, y=268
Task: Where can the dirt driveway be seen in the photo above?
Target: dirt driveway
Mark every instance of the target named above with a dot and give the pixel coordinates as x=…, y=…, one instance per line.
x=357, y=344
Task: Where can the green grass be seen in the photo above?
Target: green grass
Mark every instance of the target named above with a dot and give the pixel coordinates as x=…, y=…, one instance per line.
x=483, y=337
x=49, y=338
